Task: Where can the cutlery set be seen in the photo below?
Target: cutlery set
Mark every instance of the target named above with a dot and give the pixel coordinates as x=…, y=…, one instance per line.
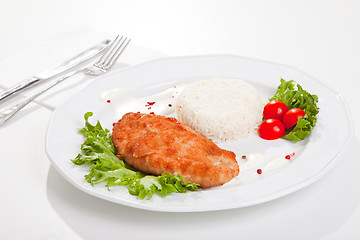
x=109, y=52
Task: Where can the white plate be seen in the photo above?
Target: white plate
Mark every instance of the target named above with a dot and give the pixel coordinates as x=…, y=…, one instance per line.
x=314, y=157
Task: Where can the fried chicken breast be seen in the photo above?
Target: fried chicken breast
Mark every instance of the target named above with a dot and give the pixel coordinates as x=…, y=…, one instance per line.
x=156, y=144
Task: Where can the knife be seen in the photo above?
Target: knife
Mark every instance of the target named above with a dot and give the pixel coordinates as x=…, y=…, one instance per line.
x=55, y=70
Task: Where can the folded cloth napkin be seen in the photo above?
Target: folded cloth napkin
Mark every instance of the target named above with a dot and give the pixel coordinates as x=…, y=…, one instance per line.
x=56, y=50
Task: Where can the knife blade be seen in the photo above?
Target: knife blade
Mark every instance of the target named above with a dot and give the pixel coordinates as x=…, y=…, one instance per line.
x=55, y=70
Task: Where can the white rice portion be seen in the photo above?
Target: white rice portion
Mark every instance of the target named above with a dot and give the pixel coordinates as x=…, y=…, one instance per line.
x=220, y=108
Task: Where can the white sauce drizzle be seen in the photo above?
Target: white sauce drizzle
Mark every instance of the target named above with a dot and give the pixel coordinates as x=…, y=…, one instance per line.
x=275, y=164
x=123, y=102
x=255, y=161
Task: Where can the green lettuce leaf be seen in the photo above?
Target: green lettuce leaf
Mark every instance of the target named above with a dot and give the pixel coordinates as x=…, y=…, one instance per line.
x=296, y=97
x=99, y=153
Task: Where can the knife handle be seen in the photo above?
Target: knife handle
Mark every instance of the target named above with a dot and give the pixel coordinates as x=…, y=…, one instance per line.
x=18, y=87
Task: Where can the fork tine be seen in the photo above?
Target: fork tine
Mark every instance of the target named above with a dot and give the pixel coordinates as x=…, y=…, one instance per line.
x=109, y=50
x=118, y=49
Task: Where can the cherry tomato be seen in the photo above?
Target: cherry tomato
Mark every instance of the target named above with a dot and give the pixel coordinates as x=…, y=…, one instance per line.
x=275, y=109
x=291, y=117
x=271, y=129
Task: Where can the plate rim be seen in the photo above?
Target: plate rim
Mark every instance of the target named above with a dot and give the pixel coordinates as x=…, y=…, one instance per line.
x=273, y=196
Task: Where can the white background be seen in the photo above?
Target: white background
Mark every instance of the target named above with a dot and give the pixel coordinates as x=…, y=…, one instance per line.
x=321, y=38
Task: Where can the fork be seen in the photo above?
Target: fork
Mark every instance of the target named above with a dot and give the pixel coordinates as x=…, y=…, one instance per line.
x=100, y=67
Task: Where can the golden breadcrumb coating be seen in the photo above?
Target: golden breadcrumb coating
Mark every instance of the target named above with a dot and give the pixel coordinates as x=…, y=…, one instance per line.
x=156, y=144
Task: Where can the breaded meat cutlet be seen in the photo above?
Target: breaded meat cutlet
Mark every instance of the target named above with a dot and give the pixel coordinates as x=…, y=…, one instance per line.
x=156, y=144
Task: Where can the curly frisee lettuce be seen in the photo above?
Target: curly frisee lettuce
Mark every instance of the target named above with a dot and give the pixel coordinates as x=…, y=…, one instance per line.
x=296, y=97
x=99, y=152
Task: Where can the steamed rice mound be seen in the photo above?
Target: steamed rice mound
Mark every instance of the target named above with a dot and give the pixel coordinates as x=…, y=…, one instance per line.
x=220, y=108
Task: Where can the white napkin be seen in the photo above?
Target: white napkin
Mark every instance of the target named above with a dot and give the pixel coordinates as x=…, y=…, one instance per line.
x=58, y=49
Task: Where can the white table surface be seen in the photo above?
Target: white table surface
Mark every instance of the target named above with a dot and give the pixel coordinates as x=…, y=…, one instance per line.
x=321, y=38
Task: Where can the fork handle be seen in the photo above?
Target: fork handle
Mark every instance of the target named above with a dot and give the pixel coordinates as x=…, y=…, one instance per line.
x=8, y=112
x=18, y=87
